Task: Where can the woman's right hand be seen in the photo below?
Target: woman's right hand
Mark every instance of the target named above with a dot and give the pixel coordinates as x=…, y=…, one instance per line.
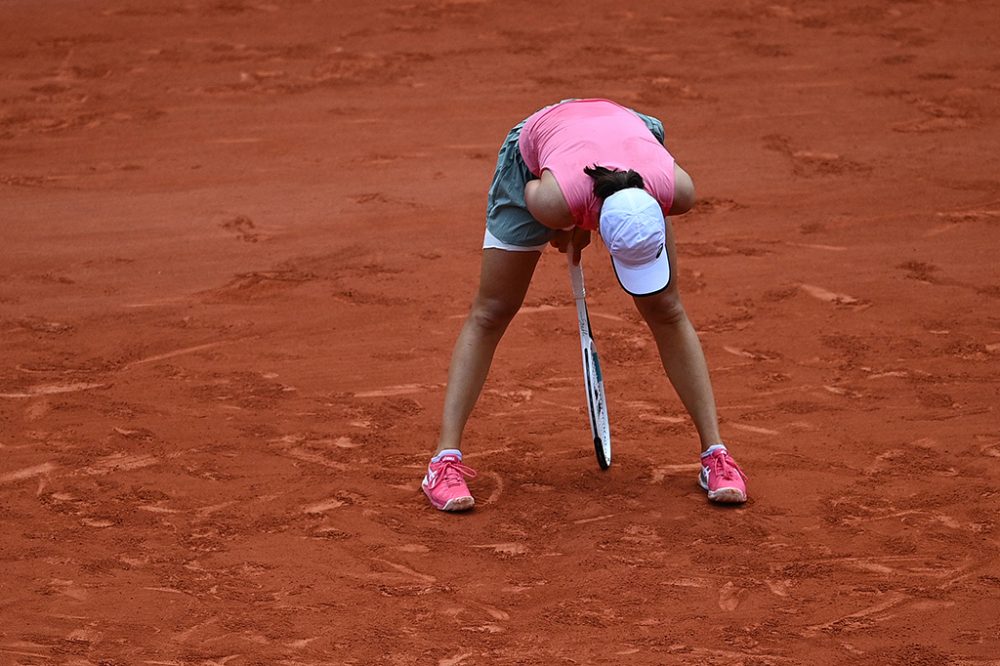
x=580, y=238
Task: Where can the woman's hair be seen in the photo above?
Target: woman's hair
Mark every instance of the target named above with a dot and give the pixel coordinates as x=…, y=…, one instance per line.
x=608, y=181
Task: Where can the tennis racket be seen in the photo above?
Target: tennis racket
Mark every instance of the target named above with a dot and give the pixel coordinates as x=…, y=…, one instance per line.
x=597, y=404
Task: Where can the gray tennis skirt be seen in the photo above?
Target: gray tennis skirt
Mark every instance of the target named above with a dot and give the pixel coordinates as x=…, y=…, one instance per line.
x=507, y=216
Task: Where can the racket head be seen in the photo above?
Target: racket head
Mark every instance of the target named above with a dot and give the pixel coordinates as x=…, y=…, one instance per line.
x=597, y=405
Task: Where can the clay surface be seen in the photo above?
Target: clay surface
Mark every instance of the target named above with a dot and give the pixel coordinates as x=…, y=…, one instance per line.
x=238, y=239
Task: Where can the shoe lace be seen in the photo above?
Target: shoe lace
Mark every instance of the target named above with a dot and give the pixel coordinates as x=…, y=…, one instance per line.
x=450, y=472
x=725, y=466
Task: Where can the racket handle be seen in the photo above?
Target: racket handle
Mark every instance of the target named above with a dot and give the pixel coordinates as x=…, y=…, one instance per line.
x=575, y=274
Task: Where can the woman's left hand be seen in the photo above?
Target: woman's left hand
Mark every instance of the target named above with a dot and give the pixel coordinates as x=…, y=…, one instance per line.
x=580, y=238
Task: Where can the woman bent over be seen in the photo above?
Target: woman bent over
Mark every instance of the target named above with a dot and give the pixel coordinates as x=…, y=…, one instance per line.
x=565, y=171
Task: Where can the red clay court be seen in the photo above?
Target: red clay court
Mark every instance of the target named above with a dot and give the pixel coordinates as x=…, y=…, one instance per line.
x=238, y=239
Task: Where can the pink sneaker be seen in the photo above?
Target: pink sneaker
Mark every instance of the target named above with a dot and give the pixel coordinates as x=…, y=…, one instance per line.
x=444, y=484
x=721, y=477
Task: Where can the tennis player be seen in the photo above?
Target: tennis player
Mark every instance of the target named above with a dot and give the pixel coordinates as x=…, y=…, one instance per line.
x=565, y=171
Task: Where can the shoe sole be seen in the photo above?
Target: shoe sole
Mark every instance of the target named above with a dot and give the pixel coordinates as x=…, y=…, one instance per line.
x=454, y=504
x=458, y=504
x=724, y=495
x=727, y=496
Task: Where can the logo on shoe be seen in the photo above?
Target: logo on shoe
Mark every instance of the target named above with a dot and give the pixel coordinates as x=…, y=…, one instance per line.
x=431, y=477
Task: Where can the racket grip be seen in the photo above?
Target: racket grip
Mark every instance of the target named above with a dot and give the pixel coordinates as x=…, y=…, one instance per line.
x=575, y=274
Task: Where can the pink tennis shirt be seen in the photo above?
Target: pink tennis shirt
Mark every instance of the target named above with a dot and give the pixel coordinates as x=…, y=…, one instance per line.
x=569, y=136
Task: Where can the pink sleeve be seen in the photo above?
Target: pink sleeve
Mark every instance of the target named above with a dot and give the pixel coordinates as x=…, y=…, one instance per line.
x=660, y=183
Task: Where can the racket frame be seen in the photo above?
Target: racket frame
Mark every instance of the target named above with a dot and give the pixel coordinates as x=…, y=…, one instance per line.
x=597, y=403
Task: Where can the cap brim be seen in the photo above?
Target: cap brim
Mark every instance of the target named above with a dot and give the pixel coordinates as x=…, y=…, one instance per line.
x=644, y=280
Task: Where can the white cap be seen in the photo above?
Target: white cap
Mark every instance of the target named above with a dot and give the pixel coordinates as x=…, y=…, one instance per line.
x=633, y=229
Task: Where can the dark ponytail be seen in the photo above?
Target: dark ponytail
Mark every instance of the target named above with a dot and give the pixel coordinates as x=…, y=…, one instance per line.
x=608, y=181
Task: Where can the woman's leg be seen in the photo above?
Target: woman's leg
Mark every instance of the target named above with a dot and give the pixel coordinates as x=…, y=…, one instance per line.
x=680, y=351
x=503, y=282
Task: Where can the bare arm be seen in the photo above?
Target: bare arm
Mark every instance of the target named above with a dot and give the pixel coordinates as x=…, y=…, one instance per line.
x=547, y=204
x=683, y=192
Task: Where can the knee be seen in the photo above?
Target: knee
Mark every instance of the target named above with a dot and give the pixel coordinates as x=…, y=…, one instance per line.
x=662, y=310
x=493, y=315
